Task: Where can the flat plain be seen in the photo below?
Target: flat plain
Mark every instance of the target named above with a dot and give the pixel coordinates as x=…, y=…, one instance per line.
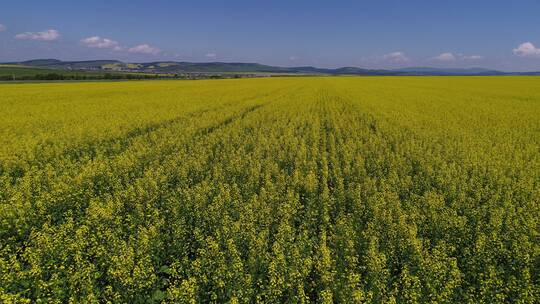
x=312, y=189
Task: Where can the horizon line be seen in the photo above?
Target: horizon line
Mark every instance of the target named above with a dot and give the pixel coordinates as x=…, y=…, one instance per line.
x=282, y=66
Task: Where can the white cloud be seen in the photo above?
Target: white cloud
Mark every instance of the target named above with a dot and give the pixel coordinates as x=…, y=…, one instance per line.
x=293, y=58
x=527, y=49
x=211, y=55
x=396, y=57
x=3, y=28
x=48, y=35
x=472, y=57
x=144, y=49
x=445, y=57
x=448, y=57
x=101, y=43
x=390, y=59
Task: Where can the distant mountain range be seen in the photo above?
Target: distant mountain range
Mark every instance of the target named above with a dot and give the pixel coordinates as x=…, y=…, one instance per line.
x=173, y=67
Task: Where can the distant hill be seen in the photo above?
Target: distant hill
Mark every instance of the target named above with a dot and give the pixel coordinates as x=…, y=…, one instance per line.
x=446, y=71
x=173, y=67
x=17, y=70
x=155, y=67
x=70, y=65
x=46, y=70
x=194, y=67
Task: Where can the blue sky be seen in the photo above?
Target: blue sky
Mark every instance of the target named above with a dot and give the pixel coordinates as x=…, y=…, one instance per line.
x=375, y=34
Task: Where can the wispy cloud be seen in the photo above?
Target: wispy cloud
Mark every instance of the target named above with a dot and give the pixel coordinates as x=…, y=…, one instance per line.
x=106, y=43
x=472, y=57
x=391, y=59
x=527, y=49
x=450, y=57
x=48, y=35
x=3, y=28
x=211, y=55
x=293, y=58
x=101, y=43
x=144, y=49
x=446, y=57
x=396, y=57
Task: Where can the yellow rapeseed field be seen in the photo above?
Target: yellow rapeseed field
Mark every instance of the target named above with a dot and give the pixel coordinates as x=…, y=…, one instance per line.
x=314, y=189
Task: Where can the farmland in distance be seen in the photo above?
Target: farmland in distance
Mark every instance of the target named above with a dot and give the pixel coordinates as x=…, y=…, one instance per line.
x=305, y=189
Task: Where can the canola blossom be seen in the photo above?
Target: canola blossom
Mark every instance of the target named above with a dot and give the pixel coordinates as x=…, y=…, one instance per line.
x=278, y=190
